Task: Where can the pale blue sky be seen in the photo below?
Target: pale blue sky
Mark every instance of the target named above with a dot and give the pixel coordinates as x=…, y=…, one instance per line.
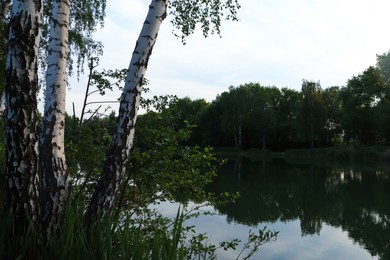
x=277, y=42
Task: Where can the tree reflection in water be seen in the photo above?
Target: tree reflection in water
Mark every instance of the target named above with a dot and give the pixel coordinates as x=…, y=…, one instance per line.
x=355, y=199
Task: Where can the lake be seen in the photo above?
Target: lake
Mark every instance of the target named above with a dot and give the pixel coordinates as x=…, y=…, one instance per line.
x=321, y=212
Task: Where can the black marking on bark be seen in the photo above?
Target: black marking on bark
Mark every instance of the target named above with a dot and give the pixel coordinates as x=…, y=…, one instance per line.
x=21, y=113
x=110, y=179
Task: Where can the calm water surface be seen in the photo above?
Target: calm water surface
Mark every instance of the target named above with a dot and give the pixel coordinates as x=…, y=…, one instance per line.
x=321, y=212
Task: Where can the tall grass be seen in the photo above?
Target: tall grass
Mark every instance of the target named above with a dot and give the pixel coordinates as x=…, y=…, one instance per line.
x=124, y=238
x=109, y=239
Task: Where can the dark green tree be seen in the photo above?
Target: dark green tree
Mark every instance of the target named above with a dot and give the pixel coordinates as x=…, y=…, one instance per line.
x=312, y=113
x=287, y=115
x=383, y=65
x=332, y=101
x=189, y=112
x=210, y=125
x=263, y=116
x=267, y=117
x=236, y=107
x=360, y=97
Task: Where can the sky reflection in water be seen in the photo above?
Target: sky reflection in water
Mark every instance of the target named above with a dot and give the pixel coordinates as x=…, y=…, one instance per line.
x=332, y=243
x=320, y=212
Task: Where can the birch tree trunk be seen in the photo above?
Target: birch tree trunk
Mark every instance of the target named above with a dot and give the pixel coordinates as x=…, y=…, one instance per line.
x=114, y=167
x=55, y=180
x=21, y=109
x=4, y=12
x=240, y=136
x=235, y=137
x=5, y=8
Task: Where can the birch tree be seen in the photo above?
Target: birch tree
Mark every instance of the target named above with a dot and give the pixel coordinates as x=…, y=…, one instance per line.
x=115, y=165
x=21, y=108
x=55, y=180
x=4, y=11
x=69, y=36
x=26, y=168
x=186, y=15
x=22, y=155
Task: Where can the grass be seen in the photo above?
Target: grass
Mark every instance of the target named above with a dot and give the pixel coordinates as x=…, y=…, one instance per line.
x=148, y=237
x=109, y=239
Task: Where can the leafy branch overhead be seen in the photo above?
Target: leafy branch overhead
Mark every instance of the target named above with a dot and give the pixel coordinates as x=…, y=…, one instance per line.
x=101, y=80
x=188, y=14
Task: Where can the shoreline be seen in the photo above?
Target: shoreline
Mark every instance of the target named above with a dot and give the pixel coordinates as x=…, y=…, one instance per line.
x=341, y=153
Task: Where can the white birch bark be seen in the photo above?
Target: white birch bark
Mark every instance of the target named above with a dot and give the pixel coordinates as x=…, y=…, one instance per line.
x=114, y=168
x=55, y=180
x=21, y=108
x=4, y=6
x=4, y=10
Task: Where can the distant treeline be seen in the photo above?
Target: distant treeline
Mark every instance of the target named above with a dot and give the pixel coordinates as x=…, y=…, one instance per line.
x=255, y=116
x=268, y=117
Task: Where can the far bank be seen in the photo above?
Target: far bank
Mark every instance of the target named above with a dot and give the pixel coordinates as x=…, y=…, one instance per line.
x=346, y=153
